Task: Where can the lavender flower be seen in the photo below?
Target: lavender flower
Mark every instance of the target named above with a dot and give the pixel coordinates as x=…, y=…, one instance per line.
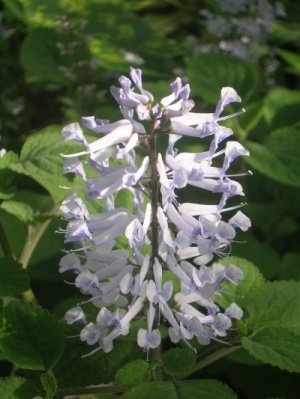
x=126, y=284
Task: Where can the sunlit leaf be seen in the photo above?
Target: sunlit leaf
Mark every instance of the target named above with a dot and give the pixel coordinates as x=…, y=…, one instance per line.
x=40, y=159
x=209, y=72
x=17, y=388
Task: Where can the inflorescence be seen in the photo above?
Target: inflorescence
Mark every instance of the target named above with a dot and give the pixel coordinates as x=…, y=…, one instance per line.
x=127, y=283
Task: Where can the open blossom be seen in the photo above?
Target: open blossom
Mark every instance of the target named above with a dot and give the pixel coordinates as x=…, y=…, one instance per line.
x=184, y=238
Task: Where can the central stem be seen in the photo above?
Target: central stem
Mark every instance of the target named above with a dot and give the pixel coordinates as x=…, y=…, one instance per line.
x=154, y=185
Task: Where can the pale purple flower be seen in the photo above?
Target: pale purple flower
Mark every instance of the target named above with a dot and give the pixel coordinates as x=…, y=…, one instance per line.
x=149, y=339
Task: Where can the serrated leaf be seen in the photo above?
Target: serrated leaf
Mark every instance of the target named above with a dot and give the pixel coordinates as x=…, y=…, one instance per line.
x=194, y=389
x=209, y=72
x=20, y=210
x=276, y=346
x=247, y=289
x=49, y=384
x=31, y=338
x=277, y=157
x=133, y=373
x=178, y=361
x=40, y=159
x=13, y=279
x=285, y=294
x=17, y=388
x=266, y=317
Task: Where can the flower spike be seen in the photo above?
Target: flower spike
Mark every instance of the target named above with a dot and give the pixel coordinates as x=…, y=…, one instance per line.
x=160, y=234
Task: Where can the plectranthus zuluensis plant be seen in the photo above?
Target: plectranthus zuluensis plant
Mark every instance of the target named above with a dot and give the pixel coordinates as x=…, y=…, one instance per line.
x=126, y=284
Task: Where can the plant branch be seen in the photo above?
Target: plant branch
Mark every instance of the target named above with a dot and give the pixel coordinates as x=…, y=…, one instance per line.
x=90, y=390
x=34, y=235
x=210, y=359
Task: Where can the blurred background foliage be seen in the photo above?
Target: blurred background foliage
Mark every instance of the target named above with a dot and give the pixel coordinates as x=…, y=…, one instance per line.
x=58, y=59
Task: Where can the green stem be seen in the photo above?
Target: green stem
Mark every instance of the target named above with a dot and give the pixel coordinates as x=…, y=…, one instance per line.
x=33, y=238
x=34, y=235
x=7, y=250
x=90, y=390
x=211, y=359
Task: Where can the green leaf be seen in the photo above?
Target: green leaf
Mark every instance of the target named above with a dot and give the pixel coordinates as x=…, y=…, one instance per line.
x=291, y=58
x=177, y=361
x=150, y=390
x=277, y=157
x=194, y=389
x=49, y=384
x=252, y=116
x=10, y=225
x=20, y=210
x=241, y=356
x=208, y=73
x=282, y=107
x=289, y=268
x=285, y=32
x=284, y=143
x=74, y=369
x=31, y=338
x=134, y=373
x=17, y=388
x=40, y=55
x=7, y=176
x=15, y=7
x=40, y=159
x=13, y=279
x=285, y=294
x=247, y=289
x=276, y=346
x=266, y=317
x=204, y=389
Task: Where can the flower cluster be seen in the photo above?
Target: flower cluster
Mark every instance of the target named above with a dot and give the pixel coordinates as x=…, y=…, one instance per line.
x=128, y=283
x=240, y=26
